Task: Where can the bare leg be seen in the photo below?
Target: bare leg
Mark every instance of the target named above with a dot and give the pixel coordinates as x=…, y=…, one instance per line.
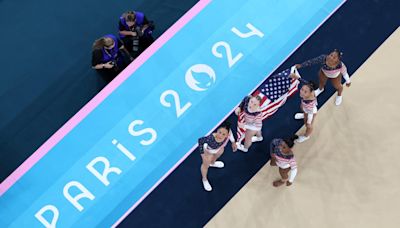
x=247, y=138
x=273, y=161
x=216, y=156
x=284, y=175
x=337, y=84
x=205, y=165
x=322, y=80
x=309, y=127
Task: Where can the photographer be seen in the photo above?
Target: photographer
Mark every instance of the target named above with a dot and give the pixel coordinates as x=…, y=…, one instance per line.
x=109, y=55
x=135, y=31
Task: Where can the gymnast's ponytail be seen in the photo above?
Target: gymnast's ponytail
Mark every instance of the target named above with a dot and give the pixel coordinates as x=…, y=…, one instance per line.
x=290, y=141
x=339, y=53
x=312, y=85
x=225, y=125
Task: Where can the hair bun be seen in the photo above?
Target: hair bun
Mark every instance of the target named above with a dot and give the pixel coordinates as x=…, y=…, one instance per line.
x=290, y=140
x=226, y=125
x=313, y=85
x=294, y=137
x=340, y=53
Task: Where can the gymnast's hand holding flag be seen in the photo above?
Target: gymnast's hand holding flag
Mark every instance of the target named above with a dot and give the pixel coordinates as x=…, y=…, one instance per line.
x=273, y=94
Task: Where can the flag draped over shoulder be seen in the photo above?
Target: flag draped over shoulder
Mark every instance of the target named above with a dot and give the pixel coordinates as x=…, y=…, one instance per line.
x=274, y=93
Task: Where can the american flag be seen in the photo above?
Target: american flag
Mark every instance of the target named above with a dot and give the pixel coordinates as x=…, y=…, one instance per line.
x=274, y=93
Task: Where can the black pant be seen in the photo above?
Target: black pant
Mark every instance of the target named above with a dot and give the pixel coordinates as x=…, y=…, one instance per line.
x=107, y=74
x=132, y=44
x=146, y=41
x=137, y=45
x=120, y=64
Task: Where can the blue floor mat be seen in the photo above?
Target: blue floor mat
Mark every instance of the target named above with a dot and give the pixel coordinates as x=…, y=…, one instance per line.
x=357, y=28
x=46, y=75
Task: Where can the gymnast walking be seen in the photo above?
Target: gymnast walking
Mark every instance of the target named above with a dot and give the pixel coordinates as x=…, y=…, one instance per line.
x=282, y=156
x=251, y=109
x=333, y=69
x=308, y=105
x=211, y=148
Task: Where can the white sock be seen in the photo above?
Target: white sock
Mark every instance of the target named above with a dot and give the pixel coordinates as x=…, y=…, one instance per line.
x=241, y=147
x=299, y=116
x=217, y=164
x=318, y=92
x=257, y=138
x=302, y=138
x=207, y=185
x=338, y=100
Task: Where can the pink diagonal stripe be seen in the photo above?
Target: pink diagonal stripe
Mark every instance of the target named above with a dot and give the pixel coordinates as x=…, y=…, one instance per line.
x=92, y=104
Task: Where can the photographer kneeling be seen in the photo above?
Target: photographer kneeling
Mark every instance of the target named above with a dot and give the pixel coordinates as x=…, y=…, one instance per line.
x=109, y=56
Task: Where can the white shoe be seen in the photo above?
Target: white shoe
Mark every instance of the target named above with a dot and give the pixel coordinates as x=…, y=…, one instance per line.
x=218, y=164
x=299, y=116
x=318, y=92
x=338, y=100
x=207, y=186
x=302, y=138
x=257, y=138
x=241, y=147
